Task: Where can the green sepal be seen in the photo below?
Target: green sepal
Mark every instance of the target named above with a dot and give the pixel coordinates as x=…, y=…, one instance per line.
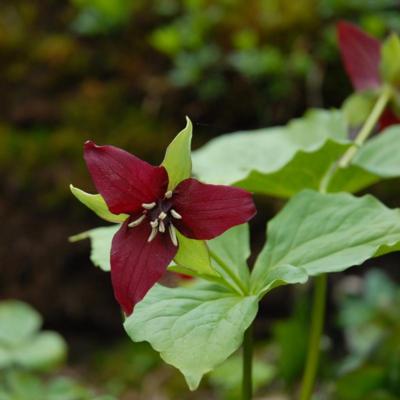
x=177, y=160
x=98, y=205
x=390, y=60
x=193, y=258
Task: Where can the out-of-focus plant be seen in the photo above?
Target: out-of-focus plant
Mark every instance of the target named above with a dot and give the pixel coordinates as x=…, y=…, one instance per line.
x=26, y=353
x=22, y=344
x=369, y=314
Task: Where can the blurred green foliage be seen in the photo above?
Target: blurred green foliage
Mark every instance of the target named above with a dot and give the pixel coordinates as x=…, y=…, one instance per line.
x=28, y=355
x=369, y=314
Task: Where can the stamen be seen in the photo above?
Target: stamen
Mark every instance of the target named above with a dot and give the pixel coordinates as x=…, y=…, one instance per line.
x=168, y=195
x=162, y=215
x=172, y=234
x=161, y=227
x=175, y=214
x=152, y=235
x=137, y=222
x=149, y=206
x=154, y=223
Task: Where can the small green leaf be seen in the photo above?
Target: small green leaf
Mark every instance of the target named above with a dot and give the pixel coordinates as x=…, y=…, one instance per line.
x=97, y=204
x=194, y=329
x=193, y=255
x=44, y=351
x=390, y=60
x=177, y=160
x=18, y=322
x=100, y=240
x=324, y=233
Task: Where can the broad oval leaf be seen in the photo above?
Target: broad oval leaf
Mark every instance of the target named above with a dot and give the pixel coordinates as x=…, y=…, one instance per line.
x=263, y=161
x=390, y=60
x=194, y=329
x=177, y=160
x=97, y=204
x=324, y=233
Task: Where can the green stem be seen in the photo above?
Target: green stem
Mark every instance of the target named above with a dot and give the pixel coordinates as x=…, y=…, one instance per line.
x=317, y=324
x=368, y=127
x=247, y=381
x=319, y=299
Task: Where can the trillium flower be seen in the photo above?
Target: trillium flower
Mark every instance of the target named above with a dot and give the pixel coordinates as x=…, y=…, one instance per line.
x=165, y=212
x=362, y=57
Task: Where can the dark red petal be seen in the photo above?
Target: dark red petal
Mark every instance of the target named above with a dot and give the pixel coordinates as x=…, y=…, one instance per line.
x=209, y=210
x=361, y=56
x=387, y=119
x=124, y=180
x=136, y=265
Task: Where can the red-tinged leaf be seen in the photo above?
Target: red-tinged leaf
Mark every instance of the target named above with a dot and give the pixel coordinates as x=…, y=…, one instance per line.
x=361, y=54
x=136, y=264
x=124, y=180
x=387, y=119
x=209, y=210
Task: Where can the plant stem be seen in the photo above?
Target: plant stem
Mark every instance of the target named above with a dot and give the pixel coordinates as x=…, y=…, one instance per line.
x=317, y=324
x=368, y=127
x=319, y=298
x=247, y=380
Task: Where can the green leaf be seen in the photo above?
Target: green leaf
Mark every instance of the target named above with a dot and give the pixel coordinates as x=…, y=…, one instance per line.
x=194, y=329
x=326, y=233
x=264, y=160
x=44, y=351
x=229, y=253
x=18, y=322
x=381, y=154
x=177, y=160
x=390, y=60
x=193, y=255
x=97, y=204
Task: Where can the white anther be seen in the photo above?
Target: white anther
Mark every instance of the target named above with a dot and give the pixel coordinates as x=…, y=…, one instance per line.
x=172, y=234
x=175, y=214
x=162, y=215
x=154, y=223
x=161, y=227
x=168, y=195
x=137, y=222
x=149, y=206
x=152, y=235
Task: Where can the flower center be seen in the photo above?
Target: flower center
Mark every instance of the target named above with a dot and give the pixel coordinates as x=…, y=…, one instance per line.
x=160, y=215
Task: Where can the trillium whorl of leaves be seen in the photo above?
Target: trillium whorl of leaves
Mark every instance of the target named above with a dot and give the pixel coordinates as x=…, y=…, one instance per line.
x=158, y=215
